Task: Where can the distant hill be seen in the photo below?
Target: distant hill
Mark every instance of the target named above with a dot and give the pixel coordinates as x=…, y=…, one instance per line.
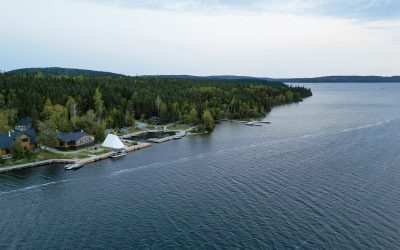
x=323, y=79
x=232, y=78
x=54, y=71
x=175, y=76
x=222, y=77
x=64, y=71
x=326, y=79
x=332, y=79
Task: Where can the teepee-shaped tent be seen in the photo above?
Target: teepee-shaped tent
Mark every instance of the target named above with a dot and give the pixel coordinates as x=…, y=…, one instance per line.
x=113, y=141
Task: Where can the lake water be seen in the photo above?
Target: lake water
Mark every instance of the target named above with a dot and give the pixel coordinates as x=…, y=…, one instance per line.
x=324, y=175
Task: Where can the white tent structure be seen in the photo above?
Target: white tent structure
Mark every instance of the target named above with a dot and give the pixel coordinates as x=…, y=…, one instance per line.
x=113, y=141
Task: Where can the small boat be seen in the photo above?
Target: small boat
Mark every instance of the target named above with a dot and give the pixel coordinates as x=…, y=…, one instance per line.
x=265, y=122
x=255, y=123
x=250, y=123
x=179, y=135
x=118, y=154
x=74, y=166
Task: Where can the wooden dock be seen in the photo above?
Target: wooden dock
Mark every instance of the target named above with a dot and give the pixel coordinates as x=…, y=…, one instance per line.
x=145, y=132
x=35, y=164
x=107, y=155
x=178, y=135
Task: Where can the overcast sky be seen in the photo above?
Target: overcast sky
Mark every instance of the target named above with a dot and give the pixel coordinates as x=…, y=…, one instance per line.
x=272, y=38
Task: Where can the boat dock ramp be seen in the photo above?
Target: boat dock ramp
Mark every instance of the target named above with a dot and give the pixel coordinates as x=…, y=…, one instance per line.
x=127, y=136
x=179, y=135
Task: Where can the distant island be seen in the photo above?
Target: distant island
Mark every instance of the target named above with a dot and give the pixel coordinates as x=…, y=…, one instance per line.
x=324, y=79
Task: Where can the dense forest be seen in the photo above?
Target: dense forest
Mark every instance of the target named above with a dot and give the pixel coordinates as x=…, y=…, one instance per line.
x=66, y=103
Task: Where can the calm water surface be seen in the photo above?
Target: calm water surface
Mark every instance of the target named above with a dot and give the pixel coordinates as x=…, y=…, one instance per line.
x=324, y=175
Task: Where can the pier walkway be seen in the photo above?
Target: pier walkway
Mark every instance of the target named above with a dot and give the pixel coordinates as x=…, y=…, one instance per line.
x=179, y=134
x=35, y=164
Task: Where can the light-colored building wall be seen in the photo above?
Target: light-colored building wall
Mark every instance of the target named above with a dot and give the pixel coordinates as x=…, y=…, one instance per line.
x=2, y=152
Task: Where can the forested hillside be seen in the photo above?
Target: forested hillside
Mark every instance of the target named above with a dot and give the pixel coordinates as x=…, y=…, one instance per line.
x=55, y=71
x=95, y=103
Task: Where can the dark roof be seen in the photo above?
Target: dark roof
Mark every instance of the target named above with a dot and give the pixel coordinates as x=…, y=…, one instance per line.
x=67, y=137
x=6, y=139
x=154, y=118
x=24, y=122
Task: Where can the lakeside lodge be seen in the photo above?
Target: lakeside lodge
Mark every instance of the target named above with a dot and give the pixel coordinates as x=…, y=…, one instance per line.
x=75, y=140
x=23, y=131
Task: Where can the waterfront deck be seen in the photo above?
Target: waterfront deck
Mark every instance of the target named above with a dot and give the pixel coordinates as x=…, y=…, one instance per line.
x=178, y=135
x=145, y=132
x=107, y=155
x=127, y=136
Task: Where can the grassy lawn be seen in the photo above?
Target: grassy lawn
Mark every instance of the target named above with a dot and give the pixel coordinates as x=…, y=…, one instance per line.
x=100, y=152
x=45, y=155
x=82, y=156
x=198, y=129
x=179, y=127
x=150, y=127
x=133, y=130
x=134, y=143
x=129, y=131
x=42, y=156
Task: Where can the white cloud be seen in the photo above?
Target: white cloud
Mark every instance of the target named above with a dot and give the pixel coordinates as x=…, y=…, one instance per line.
x=148, y=41
x=361, y=9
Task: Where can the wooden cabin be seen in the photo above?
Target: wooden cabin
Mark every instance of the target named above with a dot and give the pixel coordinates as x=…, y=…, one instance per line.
x=154, y=120
x=27, y=137
x=75, y=140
